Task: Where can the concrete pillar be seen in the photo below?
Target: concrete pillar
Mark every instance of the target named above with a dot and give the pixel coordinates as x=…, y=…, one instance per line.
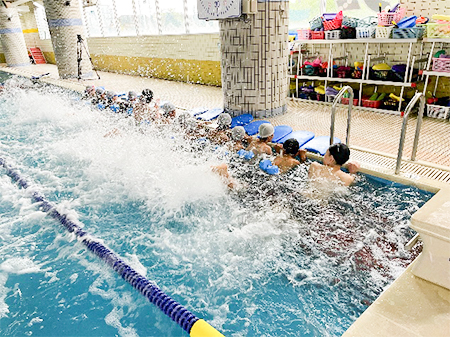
x=255, y=61
x=13, y=42
x=64, y=23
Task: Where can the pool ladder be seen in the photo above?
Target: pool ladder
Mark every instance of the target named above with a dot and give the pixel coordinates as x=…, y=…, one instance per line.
x=417, y=97
x=337, y=99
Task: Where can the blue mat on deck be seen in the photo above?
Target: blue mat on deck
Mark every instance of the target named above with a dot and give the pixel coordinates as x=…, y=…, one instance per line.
x=241, y=120
x=210, y=114
x=253, y=127
x=302, y=137
x=280, y=132
x=319, y=144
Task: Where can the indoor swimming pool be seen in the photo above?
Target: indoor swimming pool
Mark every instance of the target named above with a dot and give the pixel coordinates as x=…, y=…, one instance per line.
x=266, y=260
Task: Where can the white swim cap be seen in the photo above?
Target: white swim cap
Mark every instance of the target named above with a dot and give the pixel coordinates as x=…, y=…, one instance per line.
x=224, y=119
x=265, y=130
x=238, y=133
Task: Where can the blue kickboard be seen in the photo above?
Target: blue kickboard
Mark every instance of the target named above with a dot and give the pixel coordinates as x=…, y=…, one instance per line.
x=319, y=144
x=253, y=127
x=210, y=114
x=280, y=132
x=197, y=111
x=241, y=120
x=302, y=137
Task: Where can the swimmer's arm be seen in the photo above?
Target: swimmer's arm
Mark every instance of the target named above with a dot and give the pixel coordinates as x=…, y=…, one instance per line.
x=346, y=178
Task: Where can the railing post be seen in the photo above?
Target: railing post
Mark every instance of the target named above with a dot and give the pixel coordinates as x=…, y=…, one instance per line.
x=411, y=104
x=333, y=113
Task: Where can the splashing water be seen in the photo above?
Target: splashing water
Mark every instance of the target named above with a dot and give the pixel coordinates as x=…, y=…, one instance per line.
x=261, y=261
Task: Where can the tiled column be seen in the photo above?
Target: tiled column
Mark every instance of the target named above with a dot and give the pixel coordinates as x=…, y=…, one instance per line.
x=64, y=23
x=13, y=42
x=254, y=61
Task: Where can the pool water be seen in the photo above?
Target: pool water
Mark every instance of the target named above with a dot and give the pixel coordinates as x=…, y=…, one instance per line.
x=262, y=261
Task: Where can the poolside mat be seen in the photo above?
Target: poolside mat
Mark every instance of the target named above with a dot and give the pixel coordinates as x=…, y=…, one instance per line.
x=241, y=120
x=252, y=128
x=280, y=132
x=302, y=137
x=319, y=144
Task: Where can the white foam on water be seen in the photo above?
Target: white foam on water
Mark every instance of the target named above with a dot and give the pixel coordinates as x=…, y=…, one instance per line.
x=113, y=319
x=19, y=266
x=4, y=308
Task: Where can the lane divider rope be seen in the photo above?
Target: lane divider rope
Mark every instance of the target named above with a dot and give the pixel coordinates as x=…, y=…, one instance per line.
x=188, y=321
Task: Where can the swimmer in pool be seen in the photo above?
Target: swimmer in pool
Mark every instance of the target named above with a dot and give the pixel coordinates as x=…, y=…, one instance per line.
x=336, y=156
x=144, y=109
x=220, y=135
x=286, y=160
x=260, y=146
x=169, y=113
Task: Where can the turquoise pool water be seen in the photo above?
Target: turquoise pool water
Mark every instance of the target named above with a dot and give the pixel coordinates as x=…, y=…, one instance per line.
x=263, y=261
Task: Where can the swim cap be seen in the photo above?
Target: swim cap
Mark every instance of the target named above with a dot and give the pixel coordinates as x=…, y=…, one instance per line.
x=340, y=153
x=110, y=94
x=265, y=130
x=147, y=95
x=291, y=146
x=191, y=123
x=224, y=119
x=238, y=133
x=99, y=91
x=132, y=94
x=168, y=108
x=183, y=118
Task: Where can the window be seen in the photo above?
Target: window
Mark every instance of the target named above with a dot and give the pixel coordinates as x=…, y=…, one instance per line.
x=41, y=21
x=92, y=21
x=126, y=17
x=172, y=16
x=302, y=11
x=105, y=8
x=147, y=17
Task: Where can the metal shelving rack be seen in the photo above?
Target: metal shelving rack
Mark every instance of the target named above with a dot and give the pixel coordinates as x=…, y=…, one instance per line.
x=407, y=83
x=427, y=73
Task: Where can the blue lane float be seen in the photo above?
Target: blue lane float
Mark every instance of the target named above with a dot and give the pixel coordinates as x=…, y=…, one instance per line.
x=252, y=128
x=188, y=321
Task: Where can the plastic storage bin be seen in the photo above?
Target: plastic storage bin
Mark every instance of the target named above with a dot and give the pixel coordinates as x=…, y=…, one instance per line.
x=371, y=104
x=345, y=100
x=332, y=34
x=317, y=35
x=441, y=64
x=304, y=34
x=437, y=111
x=316, y=23
x=334, y=24
x=438, y=30
x=365, y=32
x=383, y=32
x=408, y=33
x=348, y=33
x=349, y=22
x=385, y=19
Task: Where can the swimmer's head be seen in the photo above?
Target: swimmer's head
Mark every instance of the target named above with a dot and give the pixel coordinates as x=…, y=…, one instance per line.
x=110, y=94
x=340, y=153
x=183, y=118
x=169, y=109
x=224, y=120
x=291, y=146
x=99, y=91
x=265, y=131
x=147, y=95
x=191, y=124
x=238, y=133
x=132, y=95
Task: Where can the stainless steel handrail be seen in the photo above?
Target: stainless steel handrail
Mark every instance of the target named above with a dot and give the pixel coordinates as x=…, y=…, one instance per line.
x=411, y=104
x=349, y=117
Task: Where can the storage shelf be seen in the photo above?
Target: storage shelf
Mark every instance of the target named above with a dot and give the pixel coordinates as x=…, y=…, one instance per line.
x=436, y=73
x=339, y=41
x=352, y=80
x=356, y=107
x=436, y=40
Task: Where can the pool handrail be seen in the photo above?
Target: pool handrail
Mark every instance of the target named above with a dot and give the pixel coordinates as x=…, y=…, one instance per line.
x=349, y=116
x=418, y=96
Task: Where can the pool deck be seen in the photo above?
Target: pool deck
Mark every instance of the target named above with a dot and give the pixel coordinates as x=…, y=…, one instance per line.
x=411, y=306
